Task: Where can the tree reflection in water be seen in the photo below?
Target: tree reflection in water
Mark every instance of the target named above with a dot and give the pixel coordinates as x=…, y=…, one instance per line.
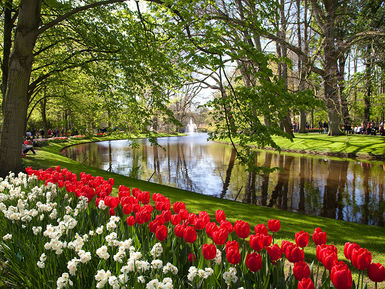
x=341, y=189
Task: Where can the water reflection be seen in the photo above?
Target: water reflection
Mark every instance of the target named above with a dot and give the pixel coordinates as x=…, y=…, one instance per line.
x=346, y=190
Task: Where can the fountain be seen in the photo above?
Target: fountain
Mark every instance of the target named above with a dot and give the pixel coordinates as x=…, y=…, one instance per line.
x=191, y=127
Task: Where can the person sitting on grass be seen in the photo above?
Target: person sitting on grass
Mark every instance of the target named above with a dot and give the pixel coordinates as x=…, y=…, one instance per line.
x=26, y=147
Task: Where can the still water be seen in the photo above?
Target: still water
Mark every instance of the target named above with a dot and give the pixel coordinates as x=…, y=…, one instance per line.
x=336, y=188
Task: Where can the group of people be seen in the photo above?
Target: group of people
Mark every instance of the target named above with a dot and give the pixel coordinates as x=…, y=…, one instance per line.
x=368, y=128
x=323, y=127
x=33, y=133
x=295, y=126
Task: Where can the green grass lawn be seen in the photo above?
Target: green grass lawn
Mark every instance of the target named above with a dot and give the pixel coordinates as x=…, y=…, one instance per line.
x=339, y=232
x=353, y=145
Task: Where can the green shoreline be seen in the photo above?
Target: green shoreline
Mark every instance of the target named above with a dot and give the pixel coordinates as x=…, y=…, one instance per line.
x=339, y=232
x=346, y=146
x=361, y=147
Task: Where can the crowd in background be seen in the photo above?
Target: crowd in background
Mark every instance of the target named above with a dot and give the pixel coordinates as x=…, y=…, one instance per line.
x=367, y=128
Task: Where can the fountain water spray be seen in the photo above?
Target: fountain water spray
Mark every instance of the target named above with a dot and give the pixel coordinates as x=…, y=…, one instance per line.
x=191, y=127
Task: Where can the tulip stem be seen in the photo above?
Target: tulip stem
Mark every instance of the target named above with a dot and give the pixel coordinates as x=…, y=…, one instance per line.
x=316, y=279
x=362, y=280
x=375, y=285
x=358, y=283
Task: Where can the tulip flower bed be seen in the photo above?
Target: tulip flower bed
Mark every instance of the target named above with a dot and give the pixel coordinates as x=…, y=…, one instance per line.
x=60, y=230
x=58, y=139
x=79, y=136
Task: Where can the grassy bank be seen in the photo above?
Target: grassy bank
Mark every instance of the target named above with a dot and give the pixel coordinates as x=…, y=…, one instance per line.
x=362, y=146
x=371, y=237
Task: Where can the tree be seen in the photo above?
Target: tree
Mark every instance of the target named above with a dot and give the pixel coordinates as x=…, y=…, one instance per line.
x=31, y=29
x=242, y=73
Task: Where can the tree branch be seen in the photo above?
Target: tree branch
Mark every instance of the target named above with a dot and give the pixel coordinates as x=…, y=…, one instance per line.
x=37, y=102
x=360, y=36
x=74, y=11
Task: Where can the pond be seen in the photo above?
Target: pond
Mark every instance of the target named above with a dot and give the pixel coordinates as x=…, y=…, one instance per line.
x=348, y=190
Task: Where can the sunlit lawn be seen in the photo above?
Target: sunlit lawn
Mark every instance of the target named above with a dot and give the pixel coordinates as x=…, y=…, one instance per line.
x=359, y=145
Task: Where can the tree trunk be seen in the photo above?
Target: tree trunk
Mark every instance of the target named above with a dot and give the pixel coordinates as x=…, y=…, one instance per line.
x=368, y=75
x=331, y=72
x=265, y=179
x=19, y=72
x=228, y=173
x=282, y=71
x=301, y=70
x=302, y=168
x=7, y=44
x=326, y=19
x=250, y=188
x=341, y=84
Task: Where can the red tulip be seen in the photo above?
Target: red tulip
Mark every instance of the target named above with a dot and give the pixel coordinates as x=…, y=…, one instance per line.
x=127, y=200
x=163, y=205
x=327, y=255
x=256, y=242
x=154, y=225
x=329, y=260
x=301, y=270
x=306, y=283
x=242, y=229
x=376, y=272
x=274, y=252
x=348, y=248
x=302, y=239
x=192, y=218
x=220, y=236
x=211, y=228
x=267, y=239
x=127, y=209
x=190, y=235
x=341, y=276
x=274, y=225
x=284, y=245
x=135, y=208
x=161, y=233
x=319, y=237
x=176, y=219
x=123, y=194
x=361, y=258
x=144, y=197
x=166, y=215
x=227, y=225
x=199, y=224
x=260, y=229
x=233, y=256
x=209, y=251
x=254, y=262
x=191, y=257
x=130, y=220
x=179, y=231
x=178, y=206
x=295, y=254
x=205, y=216
x=220, y=216
x=155, y=196
x=111, y=202
x=184, y=214
x=232, y=245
